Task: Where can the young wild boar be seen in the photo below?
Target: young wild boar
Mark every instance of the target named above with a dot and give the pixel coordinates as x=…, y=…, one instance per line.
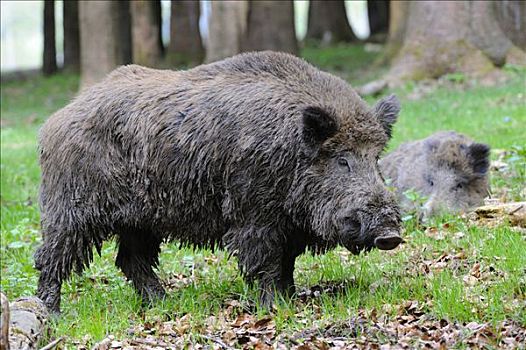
x=449, y=169
x=261, y=153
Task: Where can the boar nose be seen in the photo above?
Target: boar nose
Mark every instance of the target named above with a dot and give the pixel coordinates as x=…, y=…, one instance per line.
x=388, y=242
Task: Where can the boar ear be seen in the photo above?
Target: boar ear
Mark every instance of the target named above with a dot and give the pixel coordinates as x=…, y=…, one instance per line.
x=479, y=157
x=431, y=145
x=318, y=125
x=386, y=110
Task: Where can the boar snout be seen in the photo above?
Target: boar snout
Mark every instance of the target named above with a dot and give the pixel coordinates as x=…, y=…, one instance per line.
x=388, y=241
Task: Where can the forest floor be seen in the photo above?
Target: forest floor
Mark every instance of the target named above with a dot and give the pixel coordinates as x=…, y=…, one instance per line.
x=458, y=282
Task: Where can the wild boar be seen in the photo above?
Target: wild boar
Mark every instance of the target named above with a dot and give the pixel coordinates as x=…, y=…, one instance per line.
x=261, y=154
x=447, y=168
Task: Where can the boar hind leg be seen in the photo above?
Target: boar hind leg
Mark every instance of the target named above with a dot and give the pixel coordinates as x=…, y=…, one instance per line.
x=137, y=257
x=59, y=253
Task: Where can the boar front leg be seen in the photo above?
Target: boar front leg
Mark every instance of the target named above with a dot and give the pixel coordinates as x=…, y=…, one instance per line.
x=262, y=257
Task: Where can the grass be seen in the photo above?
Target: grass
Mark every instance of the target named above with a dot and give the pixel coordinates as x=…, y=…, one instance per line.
x=101, y=302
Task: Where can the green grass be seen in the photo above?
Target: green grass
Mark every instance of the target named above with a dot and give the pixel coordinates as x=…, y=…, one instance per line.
x=101, y=302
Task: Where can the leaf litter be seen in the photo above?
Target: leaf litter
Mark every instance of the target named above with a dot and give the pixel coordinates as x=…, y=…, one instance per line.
x=410, y=327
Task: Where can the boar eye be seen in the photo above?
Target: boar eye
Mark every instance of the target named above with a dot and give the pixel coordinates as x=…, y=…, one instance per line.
x=344, y=163
x=459, y=186
x=430, y=181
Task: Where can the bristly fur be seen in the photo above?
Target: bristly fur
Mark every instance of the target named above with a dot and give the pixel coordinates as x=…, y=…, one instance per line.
x=212, y=156
x=448, y=168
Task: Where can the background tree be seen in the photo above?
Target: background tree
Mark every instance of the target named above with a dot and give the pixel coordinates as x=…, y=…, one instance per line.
x=71, y=35
x=100, y=44
x=226, y=27
x=378, y=14
x=398, y=14
x=185, y=38
x=124, y=31
x=158, y=12
x=50, y=54
x=511, y=15
x=270, y=26
x=328, y=23
x=145, y=33
x=451, y=36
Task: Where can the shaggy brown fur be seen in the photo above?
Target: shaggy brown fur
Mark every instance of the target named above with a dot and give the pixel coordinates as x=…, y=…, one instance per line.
x=448, y=168
x=260, y=153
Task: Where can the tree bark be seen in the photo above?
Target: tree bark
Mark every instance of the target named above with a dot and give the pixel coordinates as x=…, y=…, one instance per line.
x=378, y=13
x=50, y=54
x=398, y=14
x=145, y=33
x=124, y=31
x=186, y=46
x=25, y=323
x=100, y=47
x=158, y=11
x=328, y=23
x=71, y=36
x=227, y=25
x=450, y=36
x=270, y=26
x=511, y=15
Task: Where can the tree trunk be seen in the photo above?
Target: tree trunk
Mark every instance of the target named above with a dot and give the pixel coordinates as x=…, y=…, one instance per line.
x=227, y=25
x=327, y=22
x=378, y=13
x=158, y=11
x=100, y=45
x=398, y=14
x=124, y=31
x=270, y=26
x=145, y=33
x=186, y=46
x=71, y=36
x=50, y=54
x=511, y=15
x=450, y=36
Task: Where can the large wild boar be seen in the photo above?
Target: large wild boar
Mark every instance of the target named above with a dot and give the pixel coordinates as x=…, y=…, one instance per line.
x=447, y=168
x=262, y=154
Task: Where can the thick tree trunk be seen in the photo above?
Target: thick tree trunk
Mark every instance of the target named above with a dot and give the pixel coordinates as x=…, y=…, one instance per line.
x=71, y=36
x=50, y=54
x=100, y=47
x=125, y=31
x=511, y=15
x=378, y=13
x=270, y=26
x=398, y=14
x=186, y=46
x=145, y=33
x=227, y=25
x=450, y=36
x=327, y=22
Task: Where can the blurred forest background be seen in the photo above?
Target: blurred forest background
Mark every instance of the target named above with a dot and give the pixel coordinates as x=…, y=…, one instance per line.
x=461, y=283
x=422, y=39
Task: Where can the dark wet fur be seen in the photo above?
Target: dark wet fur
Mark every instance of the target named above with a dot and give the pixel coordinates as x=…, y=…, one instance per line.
x=240, y=154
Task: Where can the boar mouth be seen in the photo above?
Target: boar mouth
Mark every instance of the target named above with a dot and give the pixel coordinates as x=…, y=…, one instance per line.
x=356, y=249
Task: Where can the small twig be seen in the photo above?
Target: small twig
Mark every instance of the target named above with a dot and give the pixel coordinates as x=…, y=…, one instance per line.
x=53, y=344
x=4, y=332
x=161, y=344
x=515, y=210
x=225, y=346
